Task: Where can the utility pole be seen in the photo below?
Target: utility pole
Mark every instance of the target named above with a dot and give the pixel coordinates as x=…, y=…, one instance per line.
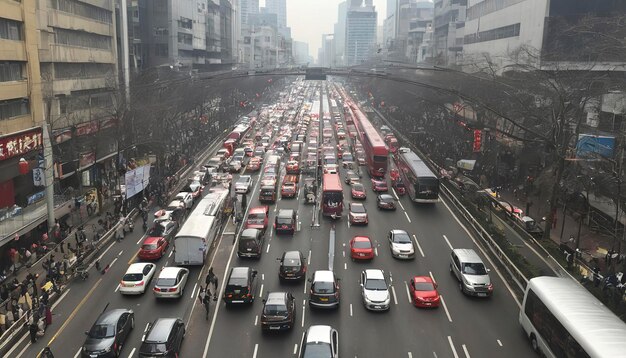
x=48, y=176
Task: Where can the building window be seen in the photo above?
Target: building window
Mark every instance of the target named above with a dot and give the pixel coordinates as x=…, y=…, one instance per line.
x=268, y=39
x=82, y=39
x=10, y=30
x=161, y=31
x=185, y=23
x=493, y=34
x=160, y=50
x=185, y=38
x=14, y=108
x=11, y=71
x=82, y=9
x=82, y=70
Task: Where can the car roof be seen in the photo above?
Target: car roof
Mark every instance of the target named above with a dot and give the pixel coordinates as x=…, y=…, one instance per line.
x=323, y=275
x=110, y=317
x=292, y=255
x=318, y=333
x=423, y=279
x=160, y=330
x=276, y=298
x=467, y=255
x=361, y=238
x=285, y=213
x=374, y=274
x=249, y=233
x=357, y=204
x=137, y=267
x=385, y=196
x=398, y=231
x=151, y=240
x=246, y=177
x=239, y=272
x=259, y=209
x=170, y=272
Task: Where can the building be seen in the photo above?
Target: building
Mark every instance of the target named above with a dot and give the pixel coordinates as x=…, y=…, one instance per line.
x=326, y=56
x=340, y=33
x=449, y=31
x=247, y=10
x=422, y=35
x=301, y=53
x=58, y=67
x=278, y=7
x=361, y=27
x=404, y=21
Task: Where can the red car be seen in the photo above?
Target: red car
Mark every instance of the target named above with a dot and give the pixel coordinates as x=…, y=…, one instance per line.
x=152, y=248
x=288, y=190
x=358, y=191
x=254, y=164
x=361, y=248
x=379, y=185
x=358, y=214
x=258, y=217
x=293, y=167
x=424, y=292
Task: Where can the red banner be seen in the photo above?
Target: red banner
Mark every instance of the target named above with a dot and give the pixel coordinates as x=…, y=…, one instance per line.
x=19, y=144
x=87, y=128
x=478, y=136
x=86, y=159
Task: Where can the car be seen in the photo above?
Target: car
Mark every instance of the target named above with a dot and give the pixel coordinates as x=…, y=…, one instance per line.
x=319, y=341
x=361, y=248
x=248, y=150
x=250, y=243
x=137, y=278
x=375, y=290
x=242, y=184
x=293, y=167
x=423, y=292
x=234, y=166
x=240, y=286
x=285, y=221
x=259, y=152
x=108, y=334
x=171, y=282
x=186, y=198
x=400, y=244
x=471, y=273
x=357, y=190
x=386, y=201
x=279, y=312
x=254, y=164
x=163, y=338
x=152, y=248
x=165, y=229
x=288, y=190
x=292, y=266
x=222, y=153
x=324, y=291
x=195, y=188
x=352, y=177
x=331, y=169
x=258, y=218
x=360, y=158
x=358, y=214
x=214, y=162
x=379, y=185
x=239, y=157
x=347, y=157
x=341, y=134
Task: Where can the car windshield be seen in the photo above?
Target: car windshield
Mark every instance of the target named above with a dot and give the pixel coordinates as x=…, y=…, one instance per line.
x=149, y=246
x=424, y=286
x=322, y=287
x=401, y=238
x=130, y=277
x=362, y=244
x=386, y=198
x=291, y=263
x=256, y=216
x=243, y=181
x=166, y=282
x=102, y=331
x=474, y=268
x=316, y=350
x=275, y=310
x=358, y=209
x=376, y=285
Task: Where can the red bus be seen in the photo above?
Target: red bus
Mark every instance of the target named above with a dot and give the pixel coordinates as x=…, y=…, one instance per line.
x=332, y=195
x=375, y=149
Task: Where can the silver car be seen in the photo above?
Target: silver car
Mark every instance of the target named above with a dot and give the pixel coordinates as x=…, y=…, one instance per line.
x=242, y=185
x=401, y=245
x=471, y=273
x=374, y=290
x=171, y=282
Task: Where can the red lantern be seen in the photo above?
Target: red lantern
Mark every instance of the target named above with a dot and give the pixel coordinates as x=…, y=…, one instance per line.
x=24, y=167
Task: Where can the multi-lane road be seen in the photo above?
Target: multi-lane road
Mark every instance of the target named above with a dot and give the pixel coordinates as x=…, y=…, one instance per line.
x=461, y=327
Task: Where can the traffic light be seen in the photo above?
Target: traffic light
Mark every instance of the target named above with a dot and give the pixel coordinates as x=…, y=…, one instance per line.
x=478, y=136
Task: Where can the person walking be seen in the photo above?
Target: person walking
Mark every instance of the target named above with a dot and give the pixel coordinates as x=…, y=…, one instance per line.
x=211, y=278
x=32, y=329
x=47, y=353
x=205, y=298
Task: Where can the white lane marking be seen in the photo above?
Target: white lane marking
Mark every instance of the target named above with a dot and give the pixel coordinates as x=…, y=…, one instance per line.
x=506, y=284
x=304, y=290
x=132, y=352
x=105, y=251
x=344, y=253
x=348, y=222
x=393, y=291
x=499, y=343
x=303, y=311
x=146, y=329
x=448, y=242
x=112, y=262
x=408, y=293
x=256, y=320
x=256, y=349
x=351, y=310
x=376, y=251
x=261, y=291
x=170, y=254
x=193, y=292
x=400, y=203
x=166, y=262
x=78, y=353
x=308, y=260
x=418, y=245
x=262, y=277
x=295, y=348
x=60, y=299
x=452, y=347
x=120, y=254
x=345, y=265
x=18, y=344
x=407, y=216
x=117, y=288
x=432, y=277
x=268, y=248
x=395, y=195
x=141, y=238
x=271, y=230
x=445, y=308
x=410, y=355
x=465, y=350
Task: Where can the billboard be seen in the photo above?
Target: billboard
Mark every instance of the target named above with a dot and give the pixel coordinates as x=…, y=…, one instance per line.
x=591, y=146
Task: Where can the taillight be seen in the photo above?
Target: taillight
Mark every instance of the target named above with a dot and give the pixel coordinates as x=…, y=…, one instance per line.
x=140, y=283
x=172, y=290
x=122, y=284
x=155, y=289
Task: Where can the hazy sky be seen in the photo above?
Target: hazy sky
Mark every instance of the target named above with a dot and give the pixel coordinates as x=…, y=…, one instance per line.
x=309, y=19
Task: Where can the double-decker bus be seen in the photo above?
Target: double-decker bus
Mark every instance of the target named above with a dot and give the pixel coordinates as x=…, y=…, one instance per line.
x=332, y=195
x=562, y=319
x=421, y=183
x=375, y=149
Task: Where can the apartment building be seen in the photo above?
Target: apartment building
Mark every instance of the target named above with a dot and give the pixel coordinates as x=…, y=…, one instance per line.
x=448, y=31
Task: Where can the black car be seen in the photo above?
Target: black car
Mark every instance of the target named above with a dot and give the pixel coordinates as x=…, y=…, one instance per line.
x=250, y=243
x=108, y=334
x=240, y=286
x=285, y=221
x=386, y=201
x=164, y=338
x=292, y=266
x=279, y=311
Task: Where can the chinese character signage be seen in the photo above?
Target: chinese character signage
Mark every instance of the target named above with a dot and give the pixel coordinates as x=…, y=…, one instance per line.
x=20, y=144
x=477, y=140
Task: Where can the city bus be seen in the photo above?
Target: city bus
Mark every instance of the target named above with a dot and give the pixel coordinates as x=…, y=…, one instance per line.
x=562, y=319
x=332, y=195
x=268, y=190
x=375, y=149
x=422, y=185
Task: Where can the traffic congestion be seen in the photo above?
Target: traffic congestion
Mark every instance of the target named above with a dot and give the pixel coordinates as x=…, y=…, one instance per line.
x=305, y=231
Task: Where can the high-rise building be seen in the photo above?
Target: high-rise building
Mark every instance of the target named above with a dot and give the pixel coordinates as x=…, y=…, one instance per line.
x=278, y=7
x=301, y=53
x=448, y=31
x=361, y=22
x=397, y=27
x=340, y=32
x=247, y=9
x=326, y=57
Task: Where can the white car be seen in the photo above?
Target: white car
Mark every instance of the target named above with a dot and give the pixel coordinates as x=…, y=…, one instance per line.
x=320, y=341
x=137, y=278
x=171, y=282
x=242, y=185
x=374, y=290
x=186, y=198
x=401, y=245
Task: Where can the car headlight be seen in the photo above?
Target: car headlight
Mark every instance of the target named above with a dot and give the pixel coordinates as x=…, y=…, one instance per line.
x=108, y=349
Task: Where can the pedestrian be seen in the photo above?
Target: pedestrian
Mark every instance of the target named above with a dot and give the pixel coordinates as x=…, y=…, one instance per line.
x=205, y=298
x=47, y=353
x=32, y=328
x=211, y=278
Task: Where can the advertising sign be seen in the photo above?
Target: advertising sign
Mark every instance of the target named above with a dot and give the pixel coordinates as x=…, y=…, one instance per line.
x=21, y=143
x=594, y=147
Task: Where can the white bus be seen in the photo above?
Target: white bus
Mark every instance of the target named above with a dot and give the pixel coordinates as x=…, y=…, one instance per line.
x=562, y=319
x=205, y=222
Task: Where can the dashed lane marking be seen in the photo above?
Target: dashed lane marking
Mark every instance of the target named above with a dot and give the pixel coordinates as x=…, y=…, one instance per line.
x=452, y=347
x=448, y=242
x=418, y=245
